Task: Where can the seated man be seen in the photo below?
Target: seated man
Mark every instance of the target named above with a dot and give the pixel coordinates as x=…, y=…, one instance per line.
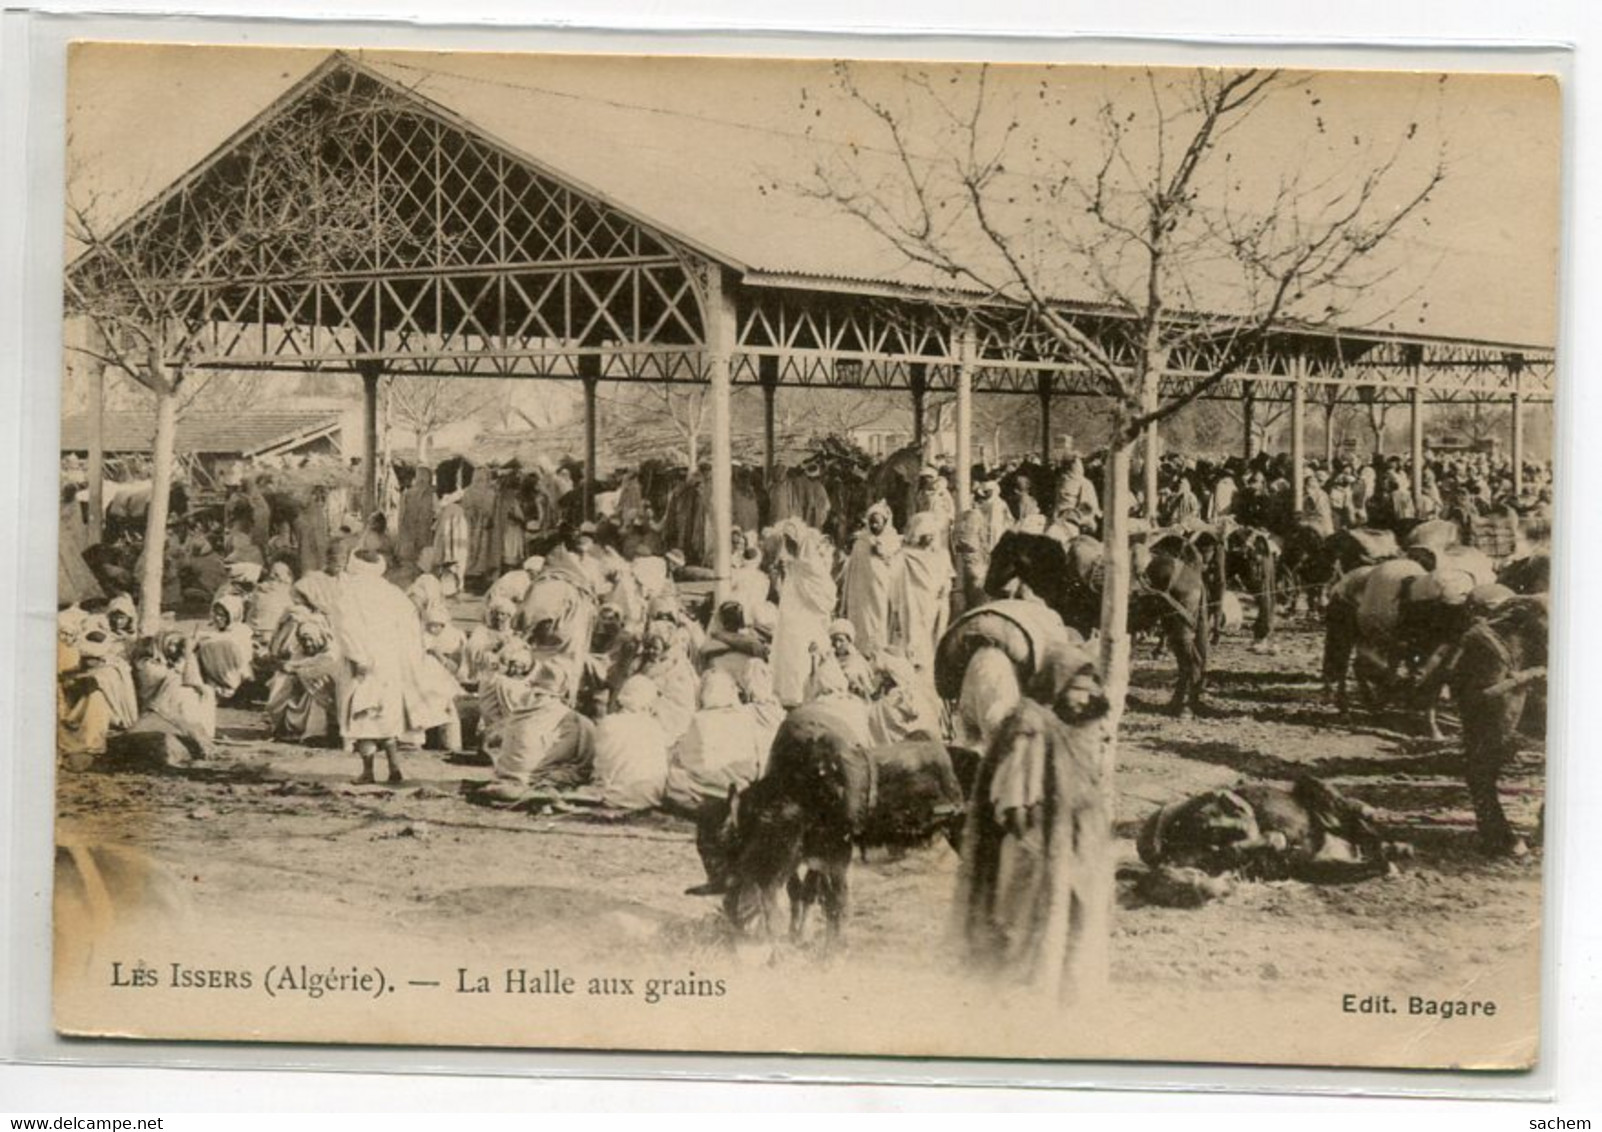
x=226, y=650
x=485, y=642
x=859, y=676
x=201, y=571
x=732, y=644
x=631, y=750
x=723, y=747
x=301, y=701
x=612, y=649
x=176, y=699
x=544, y=744
x=94, y=695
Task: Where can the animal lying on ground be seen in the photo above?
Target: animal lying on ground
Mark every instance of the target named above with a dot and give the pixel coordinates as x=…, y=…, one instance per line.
x=1260, y=831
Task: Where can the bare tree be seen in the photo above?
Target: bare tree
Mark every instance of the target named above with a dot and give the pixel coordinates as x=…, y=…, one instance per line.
x=1265, y=417
x=657, y=417
x=834, y=412
x=281, y=202
x=424, y=405
x=1473, y=421
x=1018, y=199
x=1377, y=408
x=233, y=391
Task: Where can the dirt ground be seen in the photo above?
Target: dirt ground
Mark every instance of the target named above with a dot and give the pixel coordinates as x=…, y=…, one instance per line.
x=277, y=835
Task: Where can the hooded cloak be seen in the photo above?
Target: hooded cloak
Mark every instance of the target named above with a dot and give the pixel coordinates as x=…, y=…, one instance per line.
x=874, y=586
x=806, y=603
x=226, y=653
x=1033, y=854
x=723, y=746
x=389, y=693
x=925, y=590
x=631, y=750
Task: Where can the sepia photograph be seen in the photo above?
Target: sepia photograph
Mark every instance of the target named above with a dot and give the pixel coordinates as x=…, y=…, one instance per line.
x=904, y=558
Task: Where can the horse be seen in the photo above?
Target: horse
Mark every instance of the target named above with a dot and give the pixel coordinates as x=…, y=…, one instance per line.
x=1167, y=594
x=1245, y=559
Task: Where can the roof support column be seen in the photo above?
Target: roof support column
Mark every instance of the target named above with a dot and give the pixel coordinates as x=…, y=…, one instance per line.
x=918, y=382
x=97, y=449
x=371, y=370
x=1518, y=437
x=1045, y=417
x=1298, y=430
x=589, y=368
x=967, y=350
x=1150, y=392
x=768, y=375
x=720, y=339
x=1248, y=422
x=1329, y=429
x=1415, y=421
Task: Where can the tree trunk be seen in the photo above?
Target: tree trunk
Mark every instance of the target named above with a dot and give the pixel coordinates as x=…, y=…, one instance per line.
x=1091, y=966
x=156, y=514
x=422, y=446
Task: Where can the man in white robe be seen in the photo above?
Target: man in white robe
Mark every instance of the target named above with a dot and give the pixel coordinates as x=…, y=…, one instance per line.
x=997, y=515
x=387, y=694
x=748, y=582
x=632, y=750
x=873, y=584
x=723, y=747
x=926, y=590
x=1077, y=501
x=226, y=649
x=807, y=596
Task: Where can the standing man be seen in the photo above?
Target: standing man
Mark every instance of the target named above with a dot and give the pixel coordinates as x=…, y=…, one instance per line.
x=997, y=517
x=415, y=528
x=872, y=581
x=1318, y=511
x=452, y=544
x=1077, y=501
x=386, y=698
x=312, y=534
x=261, y=512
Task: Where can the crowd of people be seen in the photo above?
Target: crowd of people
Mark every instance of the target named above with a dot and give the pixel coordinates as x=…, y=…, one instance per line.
x=1345, y=492
x=588, y=670
x=594, y=671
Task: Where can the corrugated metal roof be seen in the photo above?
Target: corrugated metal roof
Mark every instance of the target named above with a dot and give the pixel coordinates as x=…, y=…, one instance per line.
x=721, y=184
x=736, y=178
x=717, y=152
x=206, y=433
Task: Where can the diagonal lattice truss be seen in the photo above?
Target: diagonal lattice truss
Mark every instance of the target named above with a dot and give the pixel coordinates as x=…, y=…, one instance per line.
x=355, y=221
x=794, y=337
